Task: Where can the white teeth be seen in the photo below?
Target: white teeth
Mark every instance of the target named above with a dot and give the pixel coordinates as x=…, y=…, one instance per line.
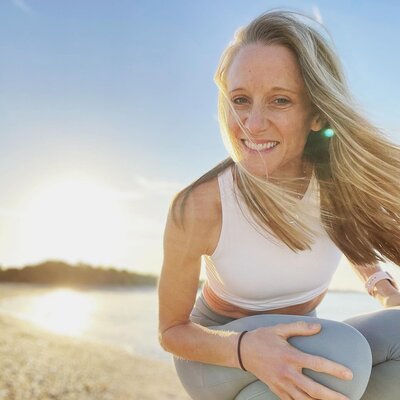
x=263, y=146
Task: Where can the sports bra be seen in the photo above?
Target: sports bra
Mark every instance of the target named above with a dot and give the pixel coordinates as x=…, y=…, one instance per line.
x=253, y=272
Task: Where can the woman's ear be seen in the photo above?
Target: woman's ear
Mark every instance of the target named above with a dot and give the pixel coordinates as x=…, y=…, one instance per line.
x=317, y=123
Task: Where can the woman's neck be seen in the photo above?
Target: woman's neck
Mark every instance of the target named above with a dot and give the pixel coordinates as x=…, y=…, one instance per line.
x=297, y=170
x=298, y=180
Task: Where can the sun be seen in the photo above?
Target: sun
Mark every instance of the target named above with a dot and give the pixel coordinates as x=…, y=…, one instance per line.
x=74, y=220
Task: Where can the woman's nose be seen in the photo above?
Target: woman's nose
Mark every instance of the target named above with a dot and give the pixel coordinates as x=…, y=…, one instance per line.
x=256, y=120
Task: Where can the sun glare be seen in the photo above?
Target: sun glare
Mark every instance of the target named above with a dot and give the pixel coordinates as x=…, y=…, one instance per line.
x=63, y=311
x=74, y=220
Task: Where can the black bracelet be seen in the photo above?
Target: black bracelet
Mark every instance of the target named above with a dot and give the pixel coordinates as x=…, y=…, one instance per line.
x=238, y=351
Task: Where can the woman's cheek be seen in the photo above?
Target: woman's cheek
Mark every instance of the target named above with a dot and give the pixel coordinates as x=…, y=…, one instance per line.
x=233, y=126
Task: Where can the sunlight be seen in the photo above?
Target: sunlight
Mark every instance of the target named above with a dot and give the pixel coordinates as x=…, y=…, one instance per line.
x=78, y=219
x=62, y=311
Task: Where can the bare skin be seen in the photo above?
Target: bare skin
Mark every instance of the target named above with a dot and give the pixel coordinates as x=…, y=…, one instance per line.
x=230, y=310
x=268, y=115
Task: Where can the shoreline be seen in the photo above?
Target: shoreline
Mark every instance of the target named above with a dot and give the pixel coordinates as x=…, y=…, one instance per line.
x=36, y=364
x=45, y=286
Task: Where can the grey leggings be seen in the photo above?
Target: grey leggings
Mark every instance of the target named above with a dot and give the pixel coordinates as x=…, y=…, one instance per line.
x=368, y=344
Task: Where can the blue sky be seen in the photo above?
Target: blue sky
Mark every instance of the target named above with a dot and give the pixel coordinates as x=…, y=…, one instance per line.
x=121, y=95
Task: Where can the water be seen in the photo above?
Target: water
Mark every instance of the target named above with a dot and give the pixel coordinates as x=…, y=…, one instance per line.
x=128, y=318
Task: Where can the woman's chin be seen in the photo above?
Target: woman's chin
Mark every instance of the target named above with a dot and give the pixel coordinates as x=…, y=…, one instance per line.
x=259, y=171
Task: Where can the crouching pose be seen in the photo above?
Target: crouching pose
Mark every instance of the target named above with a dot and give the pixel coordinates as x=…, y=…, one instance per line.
x=308, y=179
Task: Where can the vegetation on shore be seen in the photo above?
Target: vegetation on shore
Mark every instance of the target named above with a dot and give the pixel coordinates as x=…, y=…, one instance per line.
x=54, y=272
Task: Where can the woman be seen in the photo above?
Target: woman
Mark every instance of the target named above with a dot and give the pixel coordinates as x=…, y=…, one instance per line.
x=271, y=222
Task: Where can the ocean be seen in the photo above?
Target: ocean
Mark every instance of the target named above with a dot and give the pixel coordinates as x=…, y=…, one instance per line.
x=128, y=317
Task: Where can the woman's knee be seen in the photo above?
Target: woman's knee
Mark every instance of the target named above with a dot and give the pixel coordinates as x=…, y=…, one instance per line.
x=336, y=341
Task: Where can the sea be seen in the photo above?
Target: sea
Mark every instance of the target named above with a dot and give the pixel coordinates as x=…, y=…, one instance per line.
x=128, y=317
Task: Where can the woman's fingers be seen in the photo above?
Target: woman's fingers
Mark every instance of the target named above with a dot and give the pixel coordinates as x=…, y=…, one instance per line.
x=307, y=389
x=298, y=328
x=321, y=364
x=285, y=396
x=316, y=390
x=315, y=363
x=279, y=364
x=298, y=394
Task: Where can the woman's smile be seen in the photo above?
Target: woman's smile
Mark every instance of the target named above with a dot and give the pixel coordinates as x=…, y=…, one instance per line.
x=266, y=147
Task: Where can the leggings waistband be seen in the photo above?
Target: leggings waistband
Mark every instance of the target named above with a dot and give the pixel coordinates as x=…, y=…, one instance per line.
x=203, y=315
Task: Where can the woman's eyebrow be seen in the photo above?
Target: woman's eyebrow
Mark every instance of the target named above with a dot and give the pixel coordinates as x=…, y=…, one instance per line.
x=282, y=88
x=236, y=89
x=274, y=88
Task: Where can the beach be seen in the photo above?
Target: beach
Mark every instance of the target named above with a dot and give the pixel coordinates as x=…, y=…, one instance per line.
x=36, y=364
x=115, y=356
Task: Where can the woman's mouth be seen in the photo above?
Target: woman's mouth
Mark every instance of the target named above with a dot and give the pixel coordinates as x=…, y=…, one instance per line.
x=263, y=147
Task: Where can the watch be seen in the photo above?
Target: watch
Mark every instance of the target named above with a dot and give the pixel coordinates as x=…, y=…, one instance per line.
x=375, y=278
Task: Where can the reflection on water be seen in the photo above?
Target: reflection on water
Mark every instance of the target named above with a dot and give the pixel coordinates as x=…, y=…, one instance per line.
x=64, y=311
x=125, y=317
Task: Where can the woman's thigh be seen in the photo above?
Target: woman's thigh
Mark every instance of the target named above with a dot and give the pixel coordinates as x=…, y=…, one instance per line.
x=382, y=331
x=336, y=341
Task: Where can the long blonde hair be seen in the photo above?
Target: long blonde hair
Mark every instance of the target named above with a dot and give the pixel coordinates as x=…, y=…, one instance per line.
x=358, y=168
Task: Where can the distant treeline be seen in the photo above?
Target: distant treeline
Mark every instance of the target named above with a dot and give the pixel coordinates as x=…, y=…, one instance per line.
x=61, y=273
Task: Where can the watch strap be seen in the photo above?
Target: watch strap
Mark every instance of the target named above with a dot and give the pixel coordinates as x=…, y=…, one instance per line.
x=375, y=278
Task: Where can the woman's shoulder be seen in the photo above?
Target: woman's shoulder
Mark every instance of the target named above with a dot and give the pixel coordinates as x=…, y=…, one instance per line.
x=203, y=202
x=201, y=214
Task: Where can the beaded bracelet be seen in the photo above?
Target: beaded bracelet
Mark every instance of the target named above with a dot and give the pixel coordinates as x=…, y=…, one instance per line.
x=238, y=351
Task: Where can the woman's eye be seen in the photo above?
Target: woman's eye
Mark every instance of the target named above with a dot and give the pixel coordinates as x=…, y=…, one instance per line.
x=239, y=100
x=282, y=101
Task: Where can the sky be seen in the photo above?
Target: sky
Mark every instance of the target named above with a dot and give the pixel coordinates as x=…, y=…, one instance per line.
x=108, y=109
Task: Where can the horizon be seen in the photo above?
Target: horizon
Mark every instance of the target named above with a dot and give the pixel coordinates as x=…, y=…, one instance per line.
x=116, y=269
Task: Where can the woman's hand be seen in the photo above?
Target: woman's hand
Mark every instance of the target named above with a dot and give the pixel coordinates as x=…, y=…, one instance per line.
x=391, y=300
x=272, y=359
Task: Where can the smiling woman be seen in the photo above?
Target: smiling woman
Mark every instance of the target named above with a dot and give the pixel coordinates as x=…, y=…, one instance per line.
x=73, y=220
x=271, y=245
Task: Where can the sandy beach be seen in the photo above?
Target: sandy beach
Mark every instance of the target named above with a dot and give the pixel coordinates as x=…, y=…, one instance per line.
x=36, y=364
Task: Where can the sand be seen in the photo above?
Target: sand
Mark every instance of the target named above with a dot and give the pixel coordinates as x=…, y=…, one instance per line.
x=36, y=364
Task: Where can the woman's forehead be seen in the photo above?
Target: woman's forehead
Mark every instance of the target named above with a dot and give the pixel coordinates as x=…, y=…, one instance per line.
x=266, y=66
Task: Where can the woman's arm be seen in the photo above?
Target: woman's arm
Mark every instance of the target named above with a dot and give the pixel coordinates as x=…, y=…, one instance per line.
x=178, y=283
x=384, y=291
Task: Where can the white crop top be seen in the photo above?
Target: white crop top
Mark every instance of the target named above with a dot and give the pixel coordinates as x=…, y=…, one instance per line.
x=252, y=272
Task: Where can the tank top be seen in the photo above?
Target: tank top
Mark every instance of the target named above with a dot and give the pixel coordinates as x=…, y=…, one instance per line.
x=253, y=272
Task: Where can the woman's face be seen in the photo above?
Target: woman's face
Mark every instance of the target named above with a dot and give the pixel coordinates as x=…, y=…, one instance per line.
x=265, y=87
